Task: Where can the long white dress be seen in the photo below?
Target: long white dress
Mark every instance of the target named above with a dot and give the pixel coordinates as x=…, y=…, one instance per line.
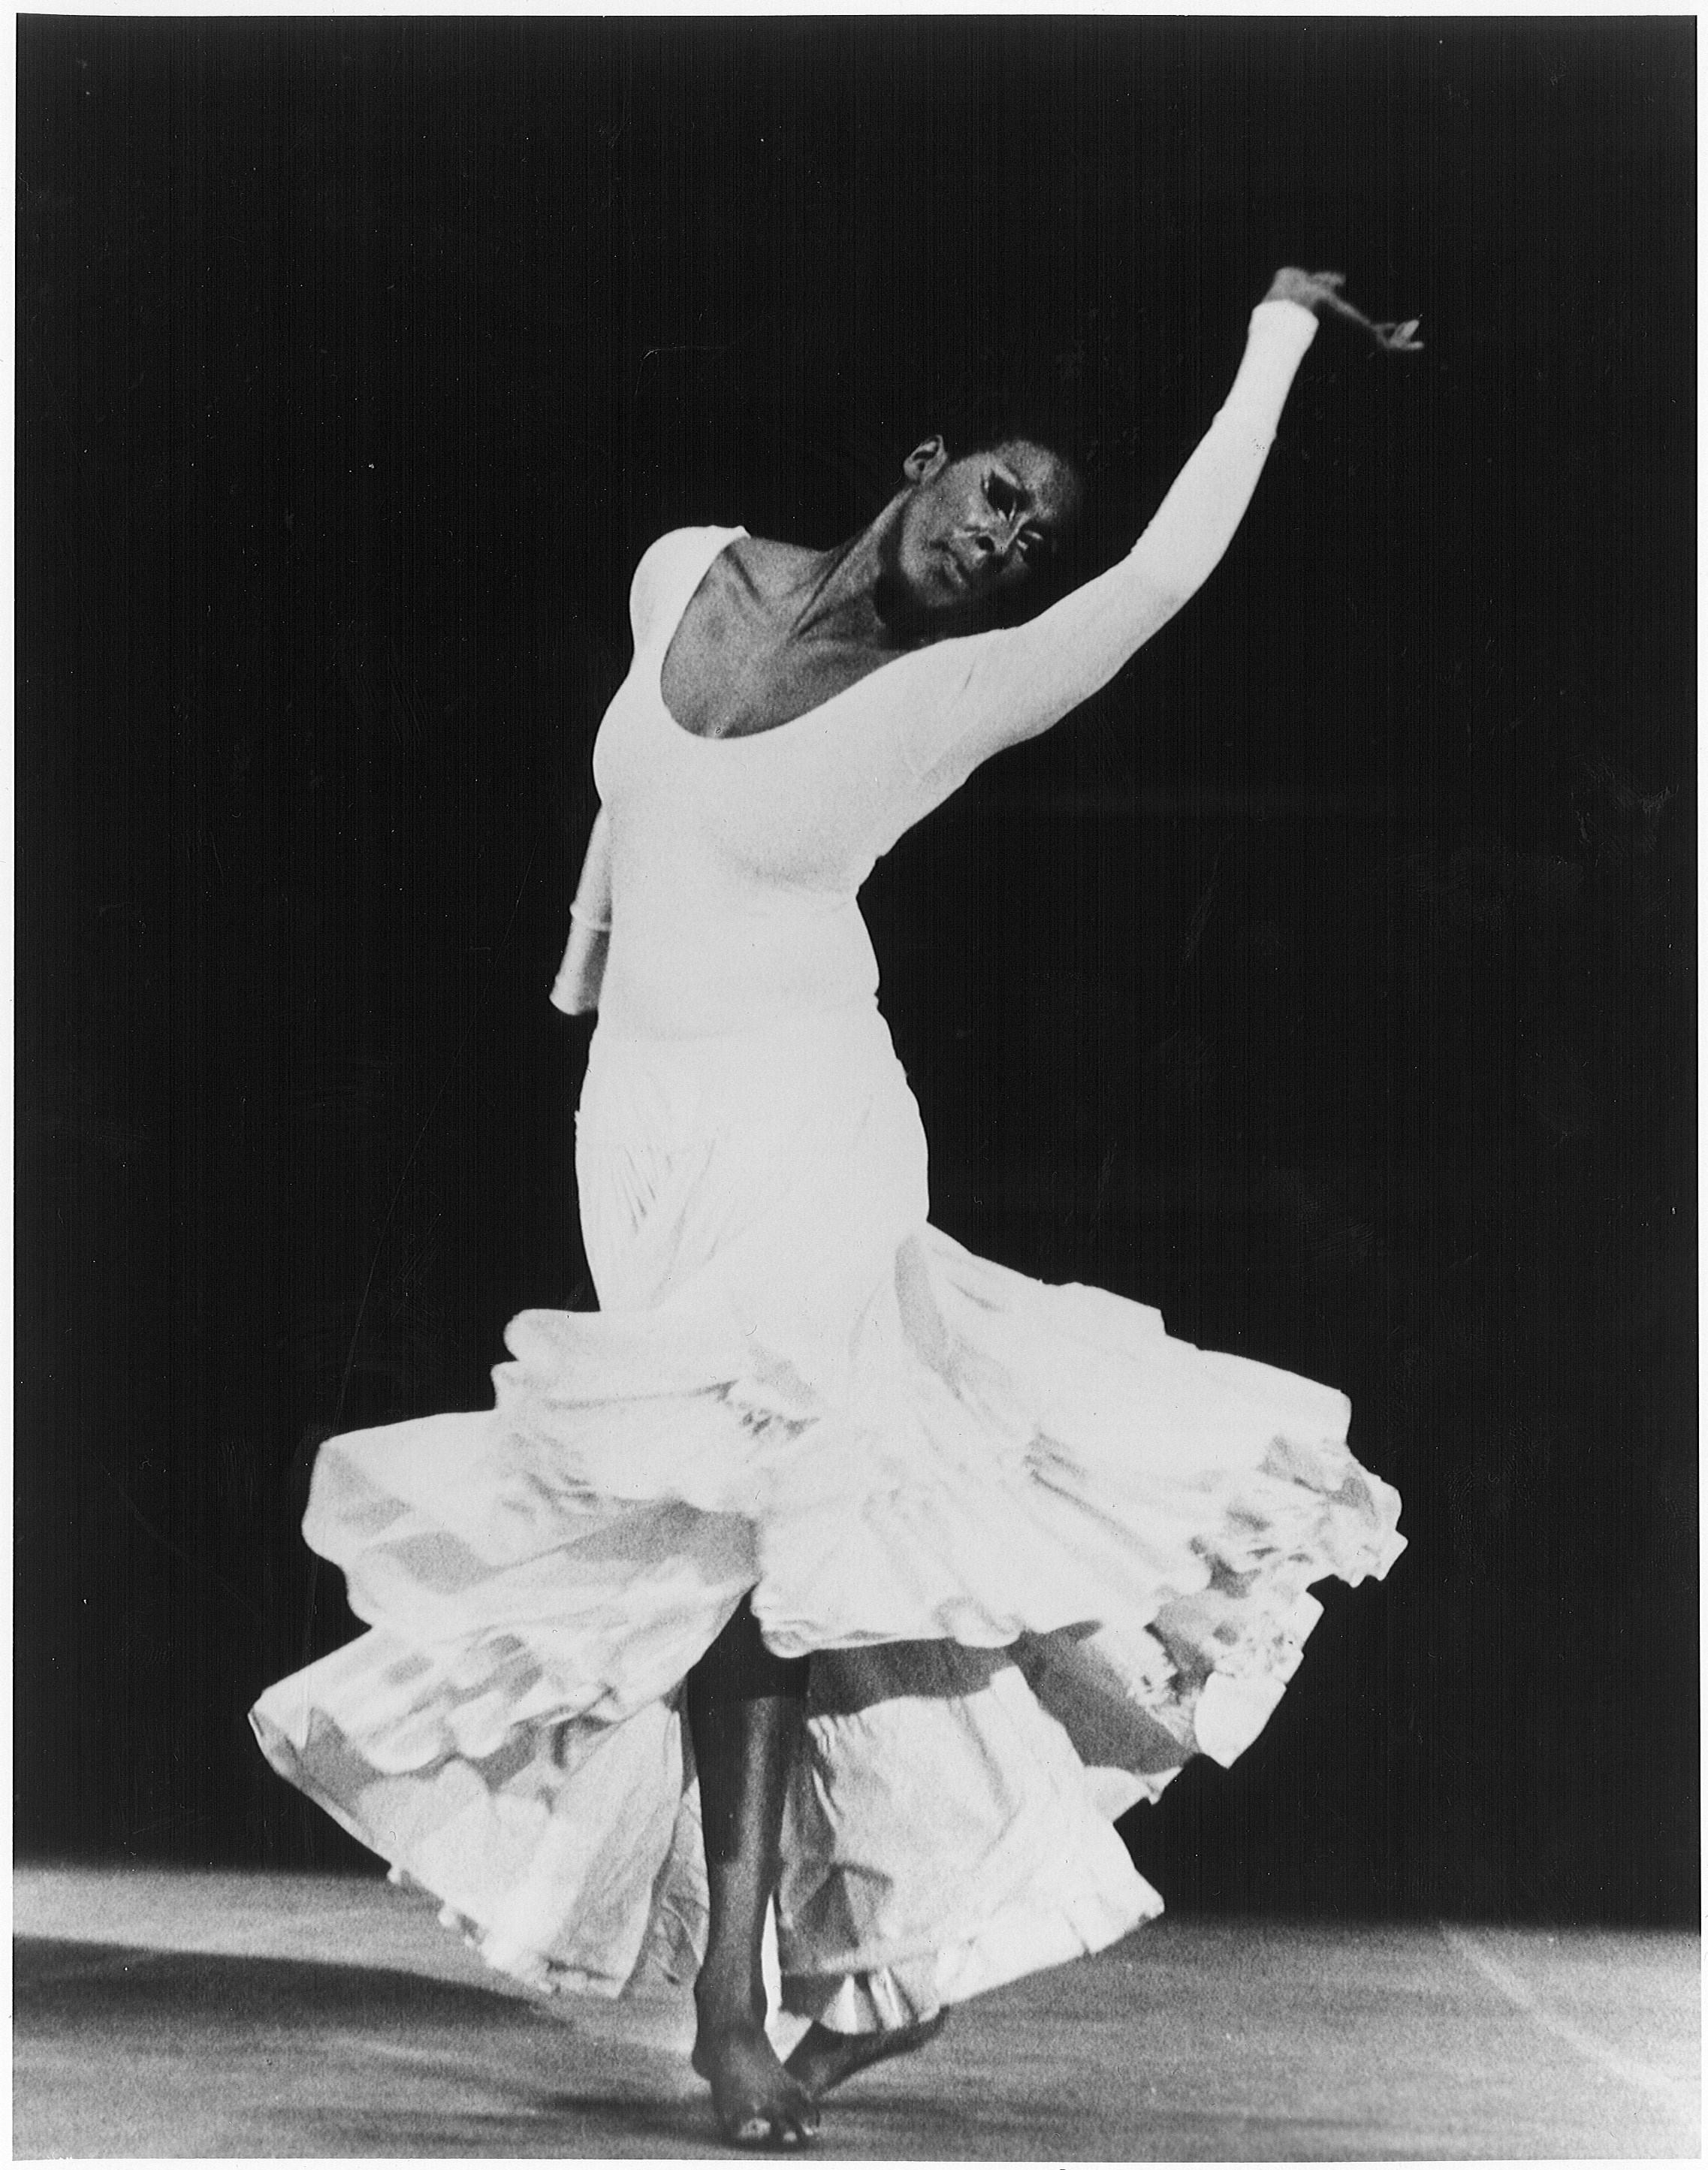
x=1040, y=1552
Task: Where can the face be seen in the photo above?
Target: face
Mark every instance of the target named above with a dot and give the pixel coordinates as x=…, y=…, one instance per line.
x=974, y=527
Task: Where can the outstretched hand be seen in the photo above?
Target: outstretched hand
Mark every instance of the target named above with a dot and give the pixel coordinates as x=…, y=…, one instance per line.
x=1320, y=290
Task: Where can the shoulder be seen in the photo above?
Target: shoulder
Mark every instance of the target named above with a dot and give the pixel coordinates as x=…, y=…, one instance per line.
x=769, y=567
x=747, y=569
x=672, y=559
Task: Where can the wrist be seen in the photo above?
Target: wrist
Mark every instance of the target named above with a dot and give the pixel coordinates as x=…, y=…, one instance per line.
x=1280, y=316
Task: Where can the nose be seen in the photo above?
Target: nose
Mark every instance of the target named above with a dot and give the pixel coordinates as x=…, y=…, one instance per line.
x=995, y=538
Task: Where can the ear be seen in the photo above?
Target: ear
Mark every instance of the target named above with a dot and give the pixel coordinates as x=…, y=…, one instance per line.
x=926, y=461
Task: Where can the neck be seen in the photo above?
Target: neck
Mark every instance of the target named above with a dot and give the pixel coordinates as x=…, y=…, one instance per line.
x=852, y=592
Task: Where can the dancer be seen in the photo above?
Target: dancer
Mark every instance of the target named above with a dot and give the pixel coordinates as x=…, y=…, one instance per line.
x=827, y=1566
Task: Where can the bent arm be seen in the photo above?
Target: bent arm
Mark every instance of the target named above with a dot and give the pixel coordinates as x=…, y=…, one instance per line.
x=575, y=991
x=1021, y=681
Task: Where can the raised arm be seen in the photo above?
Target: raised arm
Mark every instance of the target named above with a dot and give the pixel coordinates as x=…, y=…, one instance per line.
x=575, y=991
x=1018, y=682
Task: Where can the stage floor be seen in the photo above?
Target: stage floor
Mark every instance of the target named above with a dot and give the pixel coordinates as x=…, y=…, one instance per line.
x=160, y=2013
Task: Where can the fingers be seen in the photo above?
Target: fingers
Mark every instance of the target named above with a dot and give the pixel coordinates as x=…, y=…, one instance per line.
x=1397, y=338
x=1322, y=289
x=1334, y=300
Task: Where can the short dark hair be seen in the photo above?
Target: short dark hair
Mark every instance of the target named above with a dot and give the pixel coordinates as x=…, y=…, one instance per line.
x=979, y=420
x=1038, y=404
x=977, y=393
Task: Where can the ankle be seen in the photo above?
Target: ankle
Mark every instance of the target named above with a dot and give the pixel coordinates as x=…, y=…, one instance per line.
x=728, y=2003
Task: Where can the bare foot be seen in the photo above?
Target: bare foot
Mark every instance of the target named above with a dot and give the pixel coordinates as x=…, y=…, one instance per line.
x=822, y=2059
x=758, y=2102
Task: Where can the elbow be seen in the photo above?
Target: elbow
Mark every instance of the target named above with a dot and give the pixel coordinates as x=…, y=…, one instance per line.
x=1174, y=594
x=1171, y=596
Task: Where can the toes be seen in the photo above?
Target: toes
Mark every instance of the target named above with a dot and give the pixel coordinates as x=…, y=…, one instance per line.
x=795, y=2125
x=798, y=2126
x=757, y=2102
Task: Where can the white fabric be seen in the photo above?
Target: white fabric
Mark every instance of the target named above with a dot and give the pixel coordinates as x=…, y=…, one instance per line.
x=1041, y=1552
x=735, y=863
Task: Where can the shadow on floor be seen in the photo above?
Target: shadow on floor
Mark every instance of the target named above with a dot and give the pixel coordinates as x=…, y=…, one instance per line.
x=191, y=2048
x=62, y=1983
x=1252, y=2043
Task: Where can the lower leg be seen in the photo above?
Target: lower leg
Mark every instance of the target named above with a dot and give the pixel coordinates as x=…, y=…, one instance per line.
x=744, y=1716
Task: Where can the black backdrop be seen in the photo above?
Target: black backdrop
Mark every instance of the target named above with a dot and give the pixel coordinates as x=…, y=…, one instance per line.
x=1328, y=982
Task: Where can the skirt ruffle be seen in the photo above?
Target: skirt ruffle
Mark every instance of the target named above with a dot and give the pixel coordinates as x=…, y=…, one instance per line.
x=1041, y=1552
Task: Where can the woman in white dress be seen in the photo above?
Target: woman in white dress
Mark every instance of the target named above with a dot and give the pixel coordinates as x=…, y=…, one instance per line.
x=826, y=1567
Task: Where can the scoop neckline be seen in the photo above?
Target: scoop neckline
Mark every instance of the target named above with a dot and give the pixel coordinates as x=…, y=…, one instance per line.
x=731, y=537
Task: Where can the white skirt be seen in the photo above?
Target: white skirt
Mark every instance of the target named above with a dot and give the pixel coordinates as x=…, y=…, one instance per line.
x=1040, y=1552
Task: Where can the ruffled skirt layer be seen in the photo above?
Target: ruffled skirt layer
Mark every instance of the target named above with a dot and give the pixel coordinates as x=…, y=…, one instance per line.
x=1041, y=1553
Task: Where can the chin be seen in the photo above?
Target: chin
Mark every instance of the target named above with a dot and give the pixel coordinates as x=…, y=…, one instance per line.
x=914, y=606
x=957, y=611
x=941, y=587
x=934, y=606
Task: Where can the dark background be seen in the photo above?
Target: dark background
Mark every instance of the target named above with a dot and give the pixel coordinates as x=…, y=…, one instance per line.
x=1328, y=982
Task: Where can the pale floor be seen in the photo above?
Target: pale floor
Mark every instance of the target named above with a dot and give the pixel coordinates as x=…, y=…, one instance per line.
x=161, y=2013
